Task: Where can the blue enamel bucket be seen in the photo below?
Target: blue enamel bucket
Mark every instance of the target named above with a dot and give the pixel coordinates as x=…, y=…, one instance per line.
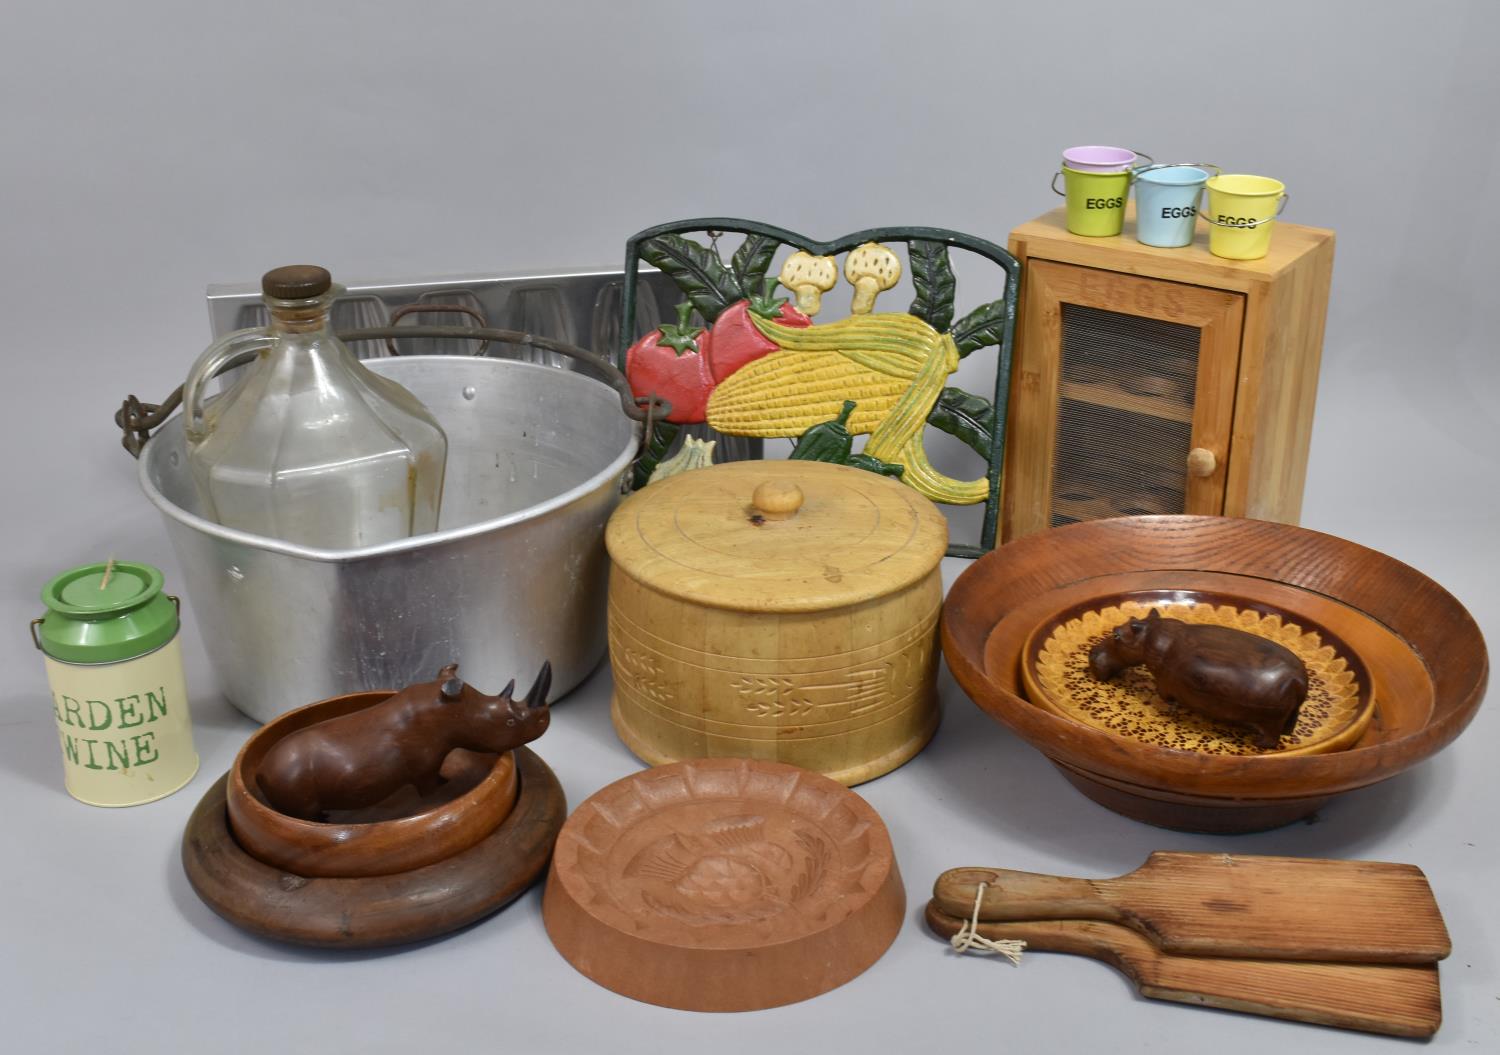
x=1166, y=202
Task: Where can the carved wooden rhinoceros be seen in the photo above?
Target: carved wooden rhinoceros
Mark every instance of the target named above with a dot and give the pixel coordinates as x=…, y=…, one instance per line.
x=359, y=759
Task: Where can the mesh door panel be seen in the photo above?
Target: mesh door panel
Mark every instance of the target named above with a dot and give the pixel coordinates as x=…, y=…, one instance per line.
x=1124, y=422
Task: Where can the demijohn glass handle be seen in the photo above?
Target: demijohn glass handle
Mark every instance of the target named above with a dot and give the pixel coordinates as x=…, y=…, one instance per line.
x=230, y=350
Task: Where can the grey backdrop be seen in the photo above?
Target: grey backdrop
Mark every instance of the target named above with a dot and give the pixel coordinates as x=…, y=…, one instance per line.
x=153, y=147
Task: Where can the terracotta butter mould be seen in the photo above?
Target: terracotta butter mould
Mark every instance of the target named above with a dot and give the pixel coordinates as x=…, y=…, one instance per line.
x=723, y=885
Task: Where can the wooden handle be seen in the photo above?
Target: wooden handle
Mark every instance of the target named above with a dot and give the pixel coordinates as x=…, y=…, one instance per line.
x=777, y=499
x=1012, y=895
x=1078, y=937
x=1201, y=461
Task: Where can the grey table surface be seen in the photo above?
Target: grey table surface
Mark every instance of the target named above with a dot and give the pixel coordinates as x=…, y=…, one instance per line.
x=106, y=945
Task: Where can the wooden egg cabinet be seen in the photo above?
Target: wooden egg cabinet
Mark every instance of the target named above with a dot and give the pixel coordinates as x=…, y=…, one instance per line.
x=1161, y=380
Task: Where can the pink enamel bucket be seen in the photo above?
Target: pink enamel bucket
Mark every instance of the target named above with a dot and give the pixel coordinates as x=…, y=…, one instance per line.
x=1099, y=159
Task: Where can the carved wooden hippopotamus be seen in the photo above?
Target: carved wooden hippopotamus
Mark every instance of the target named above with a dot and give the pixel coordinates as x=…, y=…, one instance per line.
x=360, y=759
x=1221, y=673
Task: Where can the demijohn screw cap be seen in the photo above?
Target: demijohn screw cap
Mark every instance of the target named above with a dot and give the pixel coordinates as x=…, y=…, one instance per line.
x=296, y=282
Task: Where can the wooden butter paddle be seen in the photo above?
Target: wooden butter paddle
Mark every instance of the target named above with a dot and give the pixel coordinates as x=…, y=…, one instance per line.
x=1235, y=905
x=1397, y=999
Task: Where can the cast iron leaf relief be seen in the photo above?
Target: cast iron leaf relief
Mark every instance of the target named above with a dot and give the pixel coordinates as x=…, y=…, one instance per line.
x=751, y=261
x=966, y=417
x=698, y=272
x=932, y=276
x=982, y=327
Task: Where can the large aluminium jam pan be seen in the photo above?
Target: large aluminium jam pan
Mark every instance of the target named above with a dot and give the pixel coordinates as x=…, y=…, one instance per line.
x=516, y=573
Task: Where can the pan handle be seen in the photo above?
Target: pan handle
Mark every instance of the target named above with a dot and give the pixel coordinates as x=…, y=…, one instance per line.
x=137, y=420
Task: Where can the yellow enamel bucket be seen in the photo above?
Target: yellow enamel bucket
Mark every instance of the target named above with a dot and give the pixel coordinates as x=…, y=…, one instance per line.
x=1096, y=200
x=1242, y=211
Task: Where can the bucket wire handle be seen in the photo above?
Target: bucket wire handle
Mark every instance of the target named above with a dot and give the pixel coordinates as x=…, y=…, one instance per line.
x=1136, y=170
x=1136, y=173
x=1060, y=194
x=138, y=419
x=34, y=639
x=1285, y=197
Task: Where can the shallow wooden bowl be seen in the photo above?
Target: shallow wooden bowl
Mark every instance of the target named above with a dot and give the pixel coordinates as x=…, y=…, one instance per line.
x=1054, y=670
x=1426, y=658
x=372, y=911
x=398, y=835
x=723, y=885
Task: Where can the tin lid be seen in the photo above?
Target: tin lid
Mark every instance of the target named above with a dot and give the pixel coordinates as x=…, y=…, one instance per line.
x=777, y=536
x=94, y=617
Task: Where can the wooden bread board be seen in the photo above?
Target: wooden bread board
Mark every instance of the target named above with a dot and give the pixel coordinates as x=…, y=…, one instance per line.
x=1400, y=1000
x=1235, y=905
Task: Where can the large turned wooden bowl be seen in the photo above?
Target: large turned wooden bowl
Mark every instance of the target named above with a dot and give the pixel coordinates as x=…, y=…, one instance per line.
x=1424, y=653
x=399, y=835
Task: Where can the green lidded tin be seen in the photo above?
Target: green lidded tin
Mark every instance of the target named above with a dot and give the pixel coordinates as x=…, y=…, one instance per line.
x=114, y=664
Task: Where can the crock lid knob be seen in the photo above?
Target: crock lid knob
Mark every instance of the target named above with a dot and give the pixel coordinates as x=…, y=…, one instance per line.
x=777, y=499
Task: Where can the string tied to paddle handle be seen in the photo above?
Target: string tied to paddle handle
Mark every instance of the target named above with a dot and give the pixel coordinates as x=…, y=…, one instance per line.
x=968, y=938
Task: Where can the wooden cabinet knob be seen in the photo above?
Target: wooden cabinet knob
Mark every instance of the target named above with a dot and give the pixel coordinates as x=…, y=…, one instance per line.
x=1201, y=461
x=777, y=499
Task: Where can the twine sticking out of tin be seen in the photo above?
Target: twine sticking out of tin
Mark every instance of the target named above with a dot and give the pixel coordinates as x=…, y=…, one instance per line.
x=968, y=938
x=109, y=569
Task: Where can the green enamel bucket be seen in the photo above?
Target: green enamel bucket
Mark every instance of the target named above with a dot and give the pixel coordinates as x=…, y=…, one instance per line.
x=1096, y=200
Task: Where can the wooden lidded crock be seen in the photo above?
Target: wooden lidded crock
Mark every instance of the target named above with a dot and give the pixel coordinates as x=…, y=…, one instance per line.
x=776, y=610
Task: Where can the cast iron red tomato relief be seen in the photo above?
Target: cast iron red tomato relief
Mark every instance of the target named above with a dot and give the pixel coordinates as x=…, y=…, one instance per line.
x=736, y=341
x=672, y=362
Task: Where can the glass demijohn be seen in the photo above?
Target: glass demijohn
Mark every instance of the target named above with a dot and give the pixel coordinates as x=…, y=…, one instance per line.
x=308, y=445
